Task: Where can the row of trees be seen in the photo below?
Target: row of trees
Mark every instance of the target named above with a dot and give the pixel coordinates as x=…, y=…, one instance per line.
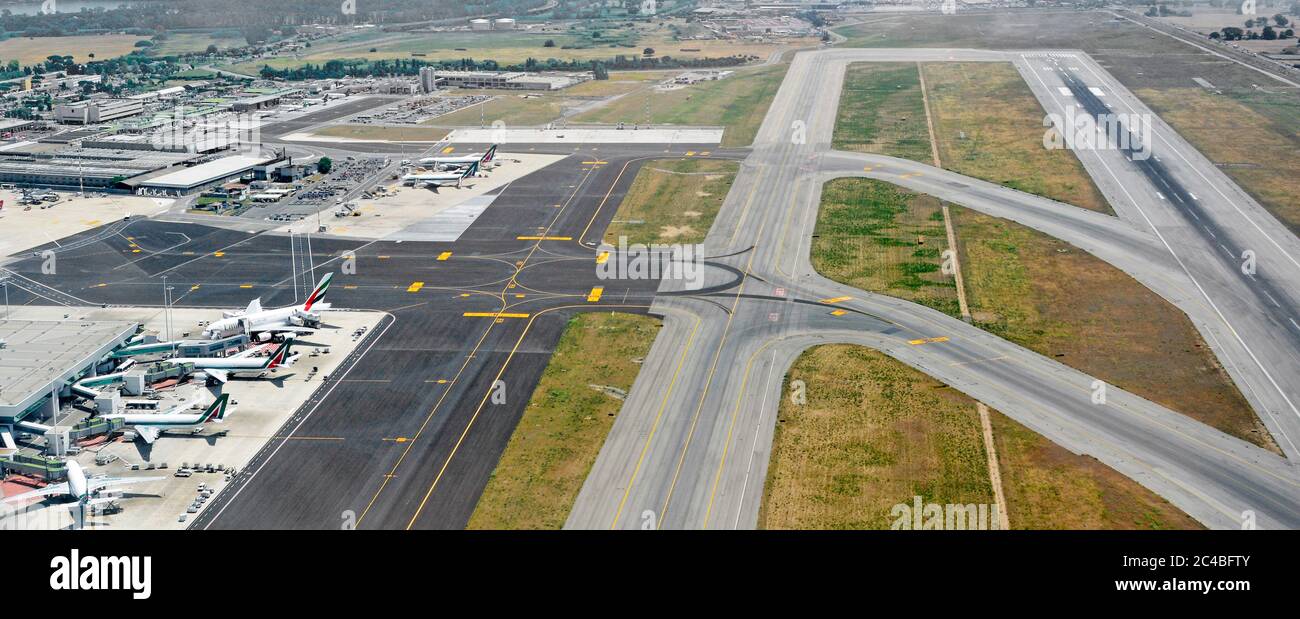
x=336, y=69
x=1233, y=33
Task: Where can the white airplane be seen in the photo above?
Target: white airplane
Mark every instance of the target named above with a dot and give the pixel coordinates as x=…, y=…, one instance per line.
x=222, y=368
x=80, y=487
x=447, y=162
x=254, y=320
x=150, y=425
x=440, y=179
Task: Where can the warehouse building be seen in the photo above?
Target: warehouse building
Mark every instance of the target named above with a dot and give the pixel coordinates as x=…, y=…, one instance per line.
x=73, y=168
x=210, y=174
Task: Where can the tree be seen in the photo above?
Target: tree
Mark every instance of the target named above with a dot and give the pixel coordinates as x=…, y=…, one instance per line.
x=211, y=51
x=1281, y=19
x=649, y=51
x=324, y=165
x=549, y=43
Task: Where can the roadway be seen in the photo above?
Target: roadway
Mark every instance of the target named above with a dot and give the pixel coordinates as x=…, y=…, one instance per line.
x=691, y=446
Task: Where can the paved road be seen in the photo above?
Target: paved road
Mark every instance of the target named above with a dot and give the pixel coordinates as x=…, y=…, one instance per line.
x=691, y=446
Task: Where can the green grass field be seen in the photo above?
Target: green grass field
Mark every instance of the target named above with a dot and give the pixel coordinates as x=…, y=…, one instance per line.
x=874, y=433
x=566, y=422
x=881, y=111
x=739, y=103
x=673, y=201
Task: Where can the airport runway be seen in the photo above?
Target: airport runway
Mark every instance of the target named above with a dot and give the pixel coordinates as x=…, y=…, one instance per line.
x=691, y=446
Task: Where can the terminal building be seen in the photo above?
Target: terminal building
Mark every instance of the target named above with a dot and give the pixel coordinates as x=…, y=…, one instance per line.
x=40, y=361
x=510, y=80
x=97, y=111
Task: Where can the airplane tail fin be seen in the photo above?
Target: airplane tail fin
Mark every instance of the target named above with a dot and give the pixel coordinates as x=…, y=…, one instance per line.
x=217, y=410
x=254, y=307
x=280, y=355
x=490, y=154
x=319, y=292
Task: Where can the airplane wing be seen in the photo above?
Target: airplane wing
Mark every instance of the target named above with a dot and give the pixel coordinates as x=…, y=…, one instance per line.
x=148, y=433
x=50, y=490
x=288, y=329
x=104, y=483
x=220, y=375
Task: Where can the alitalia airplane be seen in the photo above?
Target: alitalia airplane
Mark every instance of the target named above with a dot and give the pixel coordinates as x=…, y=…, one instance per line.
x=254, y=320
x=150, y=425
x=222, y=368
x=449, y=162
x=80, y=487
x=440, y=179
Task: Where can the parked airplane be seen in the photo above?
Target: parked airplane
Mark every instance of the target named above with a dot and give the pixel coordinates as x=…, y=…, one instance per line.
x=254, y=320
x=222, y=368
x=440, y=179
x=448, y=162
x=150, y=425
x=80, y=487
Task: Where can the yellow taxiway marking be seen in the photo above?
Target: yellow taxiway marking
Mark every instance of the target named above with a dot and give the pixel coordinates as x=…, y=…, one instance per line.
x=928, y=340
x=444, y=255
x=836, y=299
x=219, y=254
x=594, y=162
x=101, y=285
x=132, y=245
x=194, y=287
x=595, y=293
x=93, y=222
x=690, y=153
x=135, y=251
x=382, y=257
x=544, y=238
x=866, y=168
x=602, y=257
x=493, y=315
x=838, y=313
x=910, y=175
x=400, y=439
x=448, y=149
x=415, y=287
x=245, y=285
x=350, y=287
x=704, y=153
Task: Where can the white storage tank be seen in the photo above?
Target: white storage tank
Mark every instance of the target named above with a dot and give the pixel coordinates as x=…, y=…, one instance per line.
x=505, y=23
x=480, y=24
